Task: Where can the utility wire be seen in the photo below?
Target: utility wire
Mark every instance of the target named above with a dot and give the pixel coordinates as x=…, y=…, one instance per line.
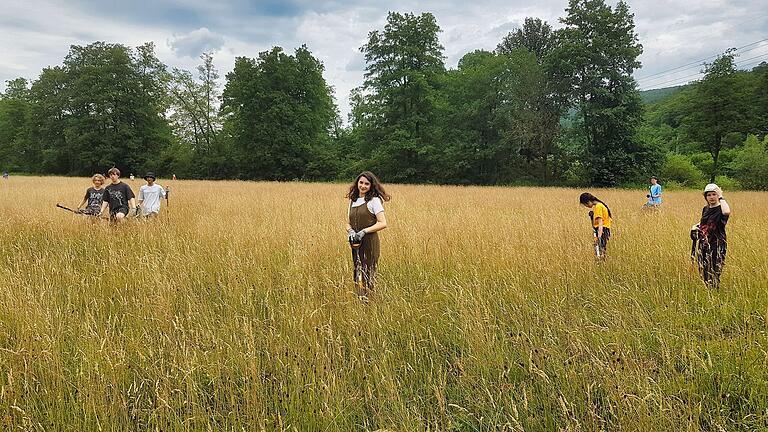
x=682, y=69
x=698, y=62
x=682, y=80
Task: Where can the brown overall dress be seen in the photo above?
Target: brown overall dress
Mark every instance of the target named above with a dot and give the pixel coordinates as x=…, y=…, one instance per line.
x=359, y=218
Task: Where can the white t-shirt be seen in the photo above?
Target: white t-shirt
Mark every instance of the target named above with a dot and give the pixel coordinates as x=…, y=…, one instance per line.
x=374, y=205
x=150, y=195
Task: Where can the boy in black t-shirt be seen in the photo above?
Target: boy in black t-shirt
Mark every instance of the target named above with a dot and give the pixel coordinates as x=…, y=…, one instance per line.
x=711, y=235
x=119, y=197
x=94, y=196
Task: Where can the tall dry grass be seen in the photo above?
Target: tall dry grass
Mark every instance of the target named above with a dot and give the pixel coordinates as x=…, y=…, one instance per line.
x=234, y=311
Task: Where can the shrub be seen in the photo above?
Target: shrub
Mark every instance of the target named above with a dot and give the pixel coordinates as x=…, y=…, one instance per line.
x=750, y=166
x=679, y=169
x=727, y=183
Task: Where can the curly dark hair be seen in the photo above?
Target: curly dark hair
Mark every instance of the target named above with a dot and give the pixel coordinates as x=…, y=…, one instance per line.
x=376, y=190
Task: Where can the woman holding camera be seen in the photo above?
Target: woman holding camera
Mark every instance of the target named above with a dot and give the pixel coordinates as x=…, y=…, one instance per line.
x=365, y=218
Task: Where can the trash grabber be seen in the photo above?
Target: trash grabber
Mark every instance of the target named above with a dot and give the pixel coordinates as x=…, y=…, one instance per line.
x=597, y=245
x=68, y=209
x=597, y=239
x=357, y=267
x=78, y=212
x=694, y=241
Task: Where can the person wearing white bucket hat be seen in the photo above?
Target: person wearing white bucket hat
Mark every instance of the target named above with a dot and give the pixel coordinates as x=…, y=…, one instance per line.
x=712, y=240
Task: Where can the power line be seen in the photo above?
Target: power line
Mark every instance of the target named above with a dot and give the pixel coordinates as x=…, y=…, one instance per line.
x=698, y=62
x=683, y=80
x=666, y=76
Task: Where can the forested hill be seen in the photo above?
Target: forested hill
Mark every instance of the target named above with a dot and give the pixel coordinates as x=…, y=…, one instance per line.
x=497, y=118
x=713, y=129
x=658, y=95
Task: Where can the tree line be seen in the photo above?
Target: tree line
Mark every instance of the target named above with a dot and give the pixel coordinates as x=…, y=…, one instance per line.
x=545, y=107
x=715, y=129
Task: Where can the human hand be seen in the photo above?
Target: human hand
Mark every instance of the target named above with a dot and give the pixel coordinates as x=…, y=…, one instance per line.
x=719, y=192
x=359, y=236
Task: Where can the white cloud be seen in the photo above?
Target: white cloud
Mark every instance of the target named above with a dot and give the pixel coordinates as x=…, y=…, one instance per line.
x=38, y=33
x=196, y=42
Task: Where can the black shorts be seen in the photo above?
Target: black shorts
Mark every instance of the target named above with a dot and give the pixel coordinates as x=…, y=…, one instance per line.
x=123, y=210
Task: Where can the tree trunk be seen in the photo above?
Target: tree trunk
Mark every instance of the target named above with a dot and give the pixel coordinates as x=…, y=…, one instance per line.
x=715, y=157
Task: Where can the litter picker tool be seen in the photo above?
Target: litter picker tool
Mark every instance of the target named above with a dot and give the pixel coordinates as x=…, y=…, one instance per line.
x=358, y=266
x=78, y=212
x=597, y=239
x=68, y=209
x=597, y=246
x=694, y=241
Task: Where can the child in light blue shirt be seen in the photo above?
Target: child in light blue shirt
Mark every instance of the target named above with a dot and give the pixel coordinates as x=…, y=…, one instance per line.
x=654, y=195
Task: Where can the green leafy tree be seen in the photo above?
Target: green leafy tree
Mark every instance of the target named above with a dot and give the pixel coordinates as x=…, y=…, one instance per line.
x=716, y=109
x=279, y=111
x=532, y=111
x=678, y=168
x=596, y=54
x=15, y=108
x=751, y=164
x=103, y=108
x=197, y=122
x=398, y=102
x=761, y=95
x=535, y=36
x=470, y=123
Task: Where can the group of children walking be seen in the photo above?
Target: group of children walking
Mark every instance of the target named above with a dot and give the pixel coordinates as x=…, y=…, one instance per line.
x=365, y=217
x=118, y=198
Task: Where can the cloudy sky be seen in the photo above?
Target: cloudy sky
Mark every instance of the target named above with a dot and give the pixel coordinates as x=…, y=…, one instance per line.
x=675, y=33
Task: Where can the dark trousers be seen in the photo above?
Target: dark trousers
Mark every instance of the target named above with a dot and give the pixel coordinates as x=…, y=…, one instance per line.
x=603, y=240
x=711, y=260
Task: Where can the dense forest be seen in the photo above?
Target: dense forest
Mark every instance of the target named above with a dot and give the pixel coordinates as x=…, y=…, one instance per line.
x=555, y=107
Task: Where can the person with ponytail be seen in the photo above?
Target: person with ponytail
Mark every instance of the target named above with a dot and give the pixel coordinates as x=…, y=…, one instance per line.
x=365, y=218
x=601, y=218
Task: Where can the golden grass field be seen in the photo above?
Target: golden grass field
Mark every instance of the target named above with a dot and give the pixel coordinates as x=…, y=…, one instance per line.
x=234, y=312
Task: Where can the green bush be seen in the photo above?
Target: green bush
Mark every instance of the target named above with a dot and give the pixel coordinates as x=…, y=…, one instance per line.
x=703, y=162
x=679, y=169
x=750, y=166
x=727, y=183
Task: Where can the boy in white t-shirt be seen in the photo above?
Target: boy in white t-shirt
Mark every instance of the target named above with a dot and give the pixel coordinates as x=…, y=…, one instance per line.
x=150, y=195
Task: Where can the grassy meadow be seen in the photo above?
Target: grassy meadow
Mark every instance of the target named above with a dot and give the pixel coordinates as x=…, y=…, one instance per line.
x=234, y=312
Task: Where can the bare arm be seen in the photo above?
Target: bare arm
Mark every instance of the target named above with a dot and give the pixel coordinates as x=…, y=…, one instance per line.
x=132, y=203
x=599, y=227
x=381, y=223
x=104, y=205
x=82, y=203
x=724, y=207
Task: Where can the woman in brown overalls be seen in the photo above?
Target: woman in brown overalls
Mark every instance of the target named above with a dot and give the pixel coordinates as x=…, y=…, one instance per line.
x=365, y=219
